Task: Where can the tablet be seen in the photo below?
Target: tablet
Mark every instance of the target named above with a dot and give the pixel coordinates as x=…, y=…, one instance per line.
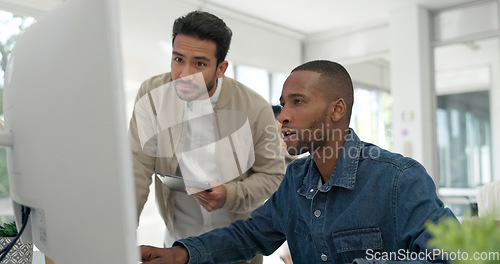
x=178, y=183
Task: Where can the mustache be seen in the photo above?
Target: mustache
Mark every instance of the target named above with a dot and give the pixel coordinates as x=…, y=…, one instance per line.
x=184, y=82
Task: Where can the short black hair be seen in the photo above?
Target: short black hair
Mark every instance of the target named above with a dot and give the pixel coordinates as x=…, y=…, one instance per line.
x=205, y=26
x=336, y=81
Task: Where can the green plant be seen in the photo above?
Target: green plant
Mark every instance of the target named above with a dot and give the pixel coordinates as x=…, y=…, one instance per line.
x=8, y=229
x=474, y=241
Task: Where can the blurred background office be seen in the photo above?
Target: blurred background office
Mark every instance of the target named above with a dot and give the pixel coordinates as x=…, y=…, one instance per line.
x=426, y=72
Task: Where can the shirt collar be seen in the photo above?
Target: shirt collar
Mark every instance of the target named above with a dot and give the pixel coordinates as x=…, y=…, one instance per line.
x=215, y=97
x=344, y=174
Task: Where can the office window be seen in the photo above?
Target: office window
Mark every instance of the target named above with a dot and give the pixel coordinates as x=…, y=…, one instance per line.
x=255, y=78
x=464, y=140
x=371, y=116
x=10, y=28
x=466, y=63
x=267, y=84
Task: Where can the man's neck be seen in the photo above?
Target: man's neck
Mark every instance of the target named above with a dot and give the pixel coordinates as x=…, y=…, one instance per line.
x=326, y=157
x=325, y=164
x=212, y=90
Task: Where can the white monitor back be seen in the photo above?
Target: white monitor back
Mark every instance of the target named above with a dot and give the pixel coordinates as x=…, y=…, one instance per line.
x=70, y=159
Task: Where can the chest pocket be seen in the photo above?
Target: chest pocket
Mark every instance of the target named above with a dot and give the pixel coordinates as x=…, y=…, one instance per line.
x=358, y=239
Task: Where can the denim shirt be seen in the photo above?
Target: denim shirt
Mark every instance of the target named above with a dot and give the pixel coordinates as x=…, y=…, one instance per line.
x=373, y=209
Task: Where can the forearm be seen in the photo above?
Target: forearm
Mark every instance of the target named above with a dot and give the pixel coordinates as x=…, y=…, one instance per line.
x=242, y=240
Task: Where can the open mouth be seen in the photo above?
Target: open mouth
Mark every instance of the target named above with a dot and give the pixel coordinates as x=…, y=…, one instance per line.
x=288, y=134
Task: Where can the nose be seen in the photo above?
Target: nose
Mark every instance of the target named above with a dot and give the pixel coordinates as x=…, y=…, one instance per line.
x=187, y=73
x=283, y=116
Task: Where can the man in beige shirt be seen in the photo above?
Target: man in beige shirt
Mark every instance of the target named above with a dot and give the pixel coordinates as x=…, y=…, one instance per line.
x=197, y=123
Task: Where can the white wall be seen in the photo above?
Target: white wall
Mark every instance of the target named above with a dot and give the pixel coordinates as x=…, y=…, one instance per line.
x=348, y=47
x=364, y=52
x=259, y=47
x=414, y=99
x=372, y=74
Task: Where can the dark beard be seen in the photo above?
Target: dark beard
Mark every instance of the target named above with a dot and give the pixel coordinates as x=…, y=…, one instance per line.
x=314, y=137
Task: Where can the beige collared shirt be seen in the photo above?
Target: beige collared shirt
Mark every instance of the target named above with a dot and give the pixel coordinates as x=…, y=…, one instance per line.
x=190, y=218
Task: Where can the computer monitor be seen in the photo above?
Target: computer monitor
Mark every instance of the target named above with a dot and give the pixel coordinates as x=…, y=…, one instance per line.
x=70, y=160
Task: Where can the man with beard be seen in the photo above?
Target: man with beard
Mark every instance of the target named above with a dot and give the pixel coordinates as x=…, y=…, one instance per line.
x=196, y=123
x=347, y=202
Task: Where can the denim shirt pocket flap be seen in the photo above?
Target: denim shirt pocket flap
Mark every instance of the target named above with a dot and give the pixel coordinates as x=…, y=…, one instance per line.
x=358, y=239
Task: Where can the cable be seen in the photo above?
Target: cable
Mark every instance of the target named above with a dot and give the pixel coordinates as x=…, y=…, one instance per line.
x=25, y=216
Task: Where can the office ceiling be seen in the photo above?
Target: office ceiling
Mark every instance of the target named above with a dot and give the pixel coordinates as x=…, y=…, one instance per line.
x=315, y=16
x=303, y=17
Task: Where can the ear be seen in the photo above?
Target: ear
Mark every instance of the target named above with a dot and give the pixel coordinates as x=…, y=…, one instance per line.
x=221, y=69
x=338, y=109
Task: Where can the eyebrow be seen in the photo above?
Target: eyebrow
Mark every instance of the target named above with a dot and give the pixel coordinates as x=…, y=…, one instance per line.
x=177, y=53
x=293, y=95
x=196, y=57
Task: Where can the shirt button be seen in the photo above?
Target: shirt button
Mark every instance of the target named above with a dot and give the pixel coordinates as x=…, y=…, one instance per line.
x=312, y=190
x=317, y=213
x=324, y=257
